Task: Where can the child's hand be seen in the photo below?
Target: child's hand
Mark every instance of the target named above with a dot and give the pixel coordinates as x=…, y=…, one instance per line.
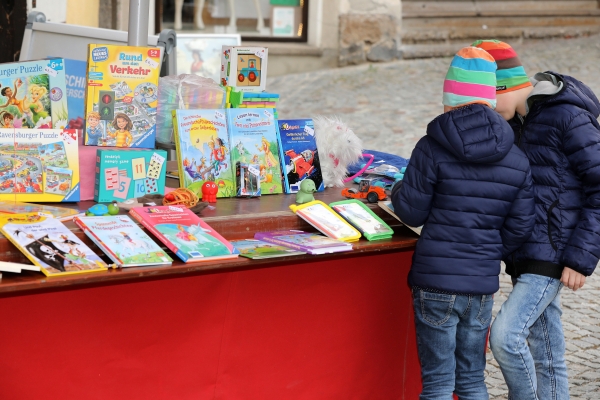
x=572, y=279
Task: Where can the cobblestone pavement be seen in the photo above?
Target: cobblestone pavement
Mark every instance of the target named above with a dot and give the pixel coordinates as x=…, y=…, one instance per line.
x=389, y=105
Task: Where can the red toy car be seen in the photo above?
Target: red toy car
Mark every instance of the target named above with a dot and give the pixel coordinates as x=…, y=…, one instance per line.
x=365, y=191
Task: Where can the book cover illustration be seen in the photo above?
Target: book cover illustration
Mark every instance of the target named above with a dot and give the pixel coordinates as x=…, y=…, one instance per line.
x=247, y=180
x=312, y=243
x=203, y=150
x=322, y=217
x=54, y=155
x=123, y=174
x=123, y=241
x=362, y=218
x=258, y=249
x=60, y=213
x=49, y=244
x=253, y=137
x=33, y=94
x=58, y=180
x=298, y=147
x=184, y=233
x=121, y=95
x=27, y=160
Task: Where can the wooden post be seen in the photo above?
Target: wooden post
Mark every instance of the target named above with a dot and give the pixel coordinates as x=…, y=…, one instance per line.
x=13, y=16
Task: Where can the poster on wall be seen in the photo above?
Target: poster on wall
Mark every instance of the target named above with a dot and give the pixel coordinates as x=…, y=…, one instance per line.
x=200, y=54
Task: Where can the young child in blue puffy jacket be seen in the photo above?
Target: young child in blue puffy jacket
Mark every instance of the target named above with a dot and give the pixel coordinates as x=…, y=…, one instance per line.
x=470, y=187
x=554, y=118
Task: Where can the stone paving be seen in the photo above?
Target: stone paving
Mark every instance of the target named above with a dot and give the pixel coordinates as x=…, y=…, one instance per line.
x=389, y=105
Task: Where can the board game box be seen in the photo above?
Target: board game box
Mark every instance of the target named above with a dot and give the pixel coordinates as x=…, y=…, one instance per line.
x=298, y=148
x=253, y=138
x=39, y=165
x=244, y=68
x=203, y=150
x=121, y=95
x=33, y=94
x=123, y=174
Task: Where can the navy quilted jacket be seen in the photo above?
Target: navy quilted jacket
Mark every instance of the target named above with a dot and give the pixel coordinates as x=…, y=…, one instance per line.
x=471, y=188
x=561, y=137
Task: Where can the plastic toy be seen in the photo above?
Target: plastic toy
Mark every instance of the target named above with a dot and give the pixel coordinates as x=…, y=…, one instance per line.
x=102, y=209
x=209, y=191
x=365, y=191
x=305, y=194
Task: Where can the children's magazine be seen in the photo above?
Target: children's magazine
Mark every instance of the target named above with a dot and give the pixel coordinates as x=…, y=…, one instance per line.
x=311, y=243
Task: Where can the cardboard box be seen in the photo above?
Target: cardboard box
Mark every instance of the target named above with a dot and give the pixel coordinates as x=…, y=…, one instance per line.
x=244, y=68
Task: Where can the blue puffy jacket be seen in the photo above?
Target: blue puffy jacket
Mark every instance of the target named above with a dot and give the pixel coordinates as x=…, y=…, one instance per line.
x=561, y=137
x=471, y=188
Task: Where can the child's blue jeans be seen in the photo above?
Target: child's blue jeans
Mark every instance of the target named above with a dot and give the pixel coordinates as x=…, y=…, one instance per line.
x=528, y=342
x=451, y=337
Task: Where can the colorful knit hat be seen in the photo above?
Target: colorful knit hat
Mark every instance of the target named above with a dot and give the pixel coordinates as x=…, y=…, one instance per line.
x=510, y=74
x=470, y=79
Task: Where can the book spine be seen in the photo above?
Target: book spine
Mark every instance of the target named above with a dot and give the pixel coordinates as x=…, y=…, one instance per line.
x=158, y=235
x=98, y=242
x=284, y=175
x=266, y=238
x=176, y=138
x=97, y=177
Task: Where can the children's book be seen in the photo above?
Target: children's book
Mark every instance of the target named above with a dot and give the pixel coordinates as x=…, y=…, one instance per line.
x=33, y=94
x=253, y=138
x=123, y=241
x=320, y=216
x=389, y=208
x=203, y=150
x=39, y=165
x=123, y=174
x=311, y=243
x=298, y=148
x=259, y=249
x=60, y=213
x=49, y=244
x=362, y=218
x=184, y=233
x=121, y=95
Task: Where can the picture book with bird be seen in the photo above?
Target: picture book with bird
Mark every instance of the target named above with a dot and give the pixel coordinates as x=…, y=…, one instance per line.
x=121, y=95
x=253, y=139
x=362, y=218
x=298, y=148
x=259, y=249
x=40, y=165
x=203, y=150
x=323, y=218
x=184, y=233
x=123, y=241
x=49, y=244
x=311, y=243
x=33, y=94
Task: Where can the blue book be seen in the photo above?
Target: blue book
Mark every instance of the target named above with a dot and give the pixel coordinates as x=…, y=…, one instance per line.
x=298, y=151
x=253, y=139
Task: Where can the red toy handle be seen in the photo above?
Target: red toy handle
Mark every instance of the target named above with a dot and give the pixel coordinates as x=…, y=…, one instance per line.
x=363, y=169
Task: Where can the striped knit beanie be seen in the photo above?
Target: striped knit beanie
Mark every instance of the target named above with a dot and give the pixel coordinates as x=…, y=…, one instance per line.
x=510, y=74
x=470, y=79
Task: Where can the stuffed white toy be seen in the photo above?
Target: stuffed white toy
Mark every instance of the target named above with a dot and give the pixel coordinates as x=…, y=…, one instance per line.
x=338, y=147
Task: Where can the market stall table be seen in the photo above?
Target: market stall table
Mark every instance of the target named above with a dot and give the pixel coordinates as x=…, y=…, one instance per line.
x=336, y=326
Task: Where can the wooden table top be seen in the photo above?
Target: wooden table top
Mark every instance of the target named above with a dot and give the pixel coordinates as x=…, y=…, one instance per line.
x=233, y=218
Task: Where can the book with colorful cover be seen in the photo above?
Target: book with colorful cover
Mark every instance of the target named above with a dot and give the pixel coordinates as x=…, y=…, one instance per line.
x=362, y=218
x=327, y=221
x=253, y=139
x=121, y=95
x=389, y=208
x=298, y=149
x=123, y=241
x=49, y=244
x=259, y=249
x=60, y=213
x=33, y=94
x=311, y=243
x=184, y=233
x=40, y=165
x=203, y=150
